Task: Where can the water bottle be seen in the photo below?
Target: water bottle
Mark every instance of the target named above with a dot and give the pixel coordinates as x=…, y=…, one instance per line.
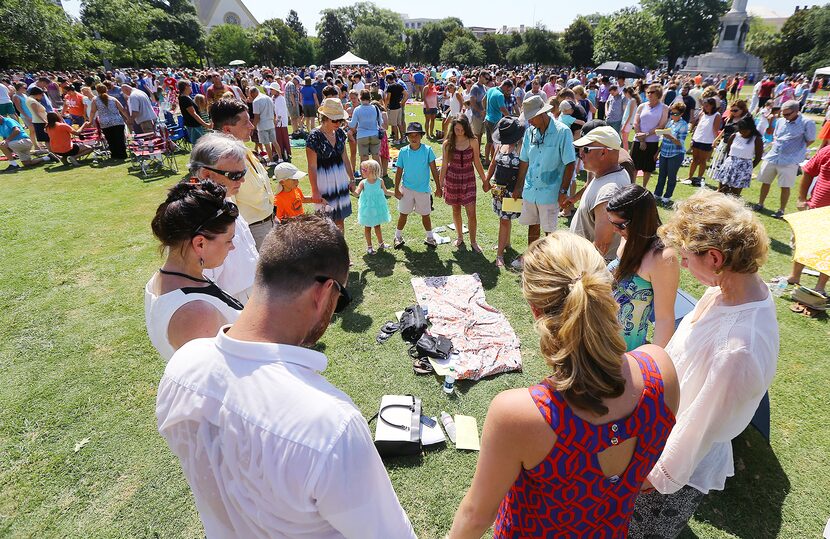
x=779, y=287
x=449, y=381
x=449, y=425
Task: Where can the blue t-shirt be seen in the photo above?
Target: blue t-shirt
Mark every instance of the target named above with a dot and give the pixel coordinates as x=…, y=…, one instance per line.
x=319, y=86
x=495, y=102
x=546, y=156
x=8, y=126
x=415, y=165
x=308, y=93
x=367, y=120
x=419, y=78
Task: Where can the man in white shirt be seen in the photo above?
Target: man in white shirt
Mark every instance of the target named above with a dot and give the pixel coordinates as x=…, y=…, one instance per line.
x=141, y=110
x=263, y=119
x=269, y=447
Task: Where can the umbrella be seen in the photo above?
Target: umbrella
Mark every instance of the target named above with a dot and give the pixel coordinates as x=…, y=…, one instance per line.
x=236, y=63
x=621, y=70
x=812, y=244
x=451, y=72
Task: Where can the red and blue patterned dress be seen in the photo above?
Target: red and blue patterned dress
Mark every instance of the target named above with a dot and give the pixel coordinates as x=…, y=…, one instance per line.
x=567, y=494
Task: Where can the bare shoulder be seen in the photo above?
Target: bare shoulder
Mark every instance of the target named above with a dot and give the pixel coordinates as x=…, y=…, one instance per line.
x=514, y=412
x=665, y=365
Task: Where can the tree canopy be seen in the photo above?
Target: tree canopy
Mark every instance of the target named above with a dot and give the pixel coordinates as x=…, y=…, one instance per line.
x=578, y=42
x=464, y=50
x=690, y=26
x=613, y=38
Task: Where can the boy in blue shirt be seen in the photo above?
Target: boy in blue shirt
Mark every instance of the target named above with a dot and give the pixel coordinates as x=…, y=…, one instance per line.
x=414, y=165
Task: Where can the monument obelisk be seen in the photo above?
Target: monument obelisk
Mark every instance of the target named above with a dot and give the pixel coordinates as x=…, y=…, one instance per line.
x=728, y=56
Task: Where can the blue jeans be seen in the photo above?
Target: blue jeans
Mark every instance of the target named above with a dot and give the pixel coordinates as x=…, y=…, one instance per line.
x=616, y=125
x=669, y=167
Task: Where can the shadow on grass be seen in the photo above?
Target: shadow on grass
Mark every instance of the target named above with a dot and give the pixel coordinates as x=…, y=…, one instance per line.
x=780, y=247
x=750, y=506
x=426, y=263
x=382, y=263
x=471, y=262
x=351, y=320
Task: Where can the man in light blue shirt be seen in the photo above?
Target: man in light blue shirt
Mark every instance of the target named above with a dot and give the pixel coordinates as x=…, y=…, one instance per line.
x=546, y=165
x=793, y=134
x=495, y=109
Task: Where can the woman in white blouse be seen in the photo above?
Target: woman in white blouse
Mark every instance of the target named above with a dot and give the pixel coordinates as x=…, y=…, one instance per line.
x=725, y=353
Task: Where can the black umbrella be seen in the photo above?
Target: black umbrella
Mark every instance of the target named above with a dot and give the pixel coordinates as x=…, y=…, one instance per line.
x=621, y=70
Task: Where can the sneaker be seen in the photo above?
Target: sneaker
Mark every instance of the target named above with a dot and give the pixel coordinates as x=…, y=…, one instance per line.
x=398, y=243
x=74, y=162
x=757, y=207
x=517, y=264
x=430, y=242
x=383, y=247
x=778, y=215
x=14, y=166
x=370, y=251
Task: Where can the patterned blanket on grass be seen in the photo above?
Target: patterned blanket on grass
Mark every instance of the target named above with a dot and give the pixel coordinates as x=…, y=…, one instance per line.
x=481, y=334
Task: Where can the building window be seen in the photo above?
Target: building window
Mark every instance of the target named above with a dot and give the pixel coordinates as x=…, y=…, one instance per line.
x=232, y=18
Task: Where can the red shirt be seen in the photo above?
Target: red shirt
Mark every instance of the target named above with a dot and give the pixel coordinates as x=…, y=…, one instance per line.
x=767, y=88
x=819, y=167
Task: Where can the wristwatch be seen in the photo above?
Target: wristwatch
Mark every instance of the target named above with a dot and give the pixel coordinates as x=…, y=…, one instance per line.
x=563, y=191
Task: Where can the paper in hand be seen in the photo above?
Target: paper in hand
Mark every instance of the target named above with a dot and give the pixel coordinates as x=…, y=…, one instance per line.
x=466, y=433
x=513, y=206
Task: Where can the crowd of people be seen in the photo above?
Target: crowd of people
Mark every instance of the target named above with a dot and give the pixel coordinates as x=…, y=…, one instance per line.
x=625, y=436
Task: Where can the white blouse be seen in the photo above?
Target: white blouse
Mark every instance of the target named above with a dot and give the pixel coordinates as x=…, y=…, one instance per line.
x=725, y=362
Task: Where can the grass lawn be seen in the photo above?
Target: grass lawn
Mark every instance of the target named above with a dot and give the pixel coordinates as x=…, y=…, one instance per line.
x=78, y=367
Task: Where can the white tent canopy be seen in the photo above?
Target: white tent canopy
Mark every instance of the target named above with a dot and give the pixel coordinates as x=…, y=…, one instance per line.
x=349, y=59
x=823, y=71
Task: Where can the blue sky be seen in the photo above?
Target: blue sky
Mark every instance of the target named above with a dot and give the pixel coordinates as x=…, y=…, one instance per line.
x=555, y=15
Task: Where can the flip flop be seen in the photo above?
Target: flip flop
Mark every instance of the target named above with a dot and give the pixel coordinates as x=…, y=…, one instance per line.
x=422, y=366
x=386, y=331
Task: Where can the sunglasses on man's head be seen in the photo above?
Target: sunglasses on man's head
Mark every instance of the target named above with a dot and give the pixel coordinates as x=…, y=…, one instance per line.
x=232, y=175
x=344, y=299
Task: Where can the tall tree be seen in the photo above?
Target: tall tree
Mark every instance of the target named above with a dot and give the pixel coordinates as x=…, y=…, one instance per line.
x=613, y=38
x=432, y=37
x=690, y=26
x=817, y=27
x=462, y=50
x=369, y=14
x=373, y=44
x=578, y=42
x=543, y=47
x=227, y=42
x=786, y=50
x=492, y=51
x=334, y=41
x=293, y=22
x=180, y=20
x=124, y=23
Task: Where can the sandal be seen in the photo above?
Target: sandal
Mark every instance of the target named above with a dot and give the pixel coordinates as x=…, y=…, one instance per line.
x=386, y=331
x=458, y=243
x=383, y=247
x=475, y=247
x=499, y=262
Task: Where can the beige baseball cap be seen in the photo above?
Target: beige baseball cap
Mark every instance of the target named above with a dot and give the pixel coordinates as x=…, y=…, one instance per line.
x=604, y=135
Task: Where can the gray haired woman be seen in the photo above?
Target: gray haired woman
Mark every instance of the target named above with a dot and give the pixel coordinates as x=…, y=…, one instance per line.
x=221, y=158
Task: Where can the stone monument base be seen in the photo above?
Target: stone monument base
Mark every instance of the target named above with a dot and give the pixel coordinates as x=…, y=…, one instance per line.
x=715, y=62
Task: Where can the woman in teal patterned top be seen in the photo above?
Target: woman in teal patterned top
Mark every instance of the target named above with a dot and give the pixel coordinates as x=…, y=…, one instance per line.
x=646, y=273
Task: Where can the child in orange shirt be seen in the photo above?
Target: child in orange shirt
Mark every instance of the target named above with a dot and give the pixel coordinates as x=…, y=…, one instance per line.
x=289, y=201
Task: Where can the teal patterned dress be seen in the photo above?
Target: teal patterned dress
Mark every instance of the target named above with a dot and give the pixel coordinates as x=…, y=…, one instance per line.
x=635, y=297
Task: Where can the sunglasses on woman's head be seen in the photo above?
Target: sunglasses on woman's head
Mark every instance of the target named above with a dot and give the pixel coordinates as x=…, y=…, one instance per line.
x=620, y=226
x=232, y=175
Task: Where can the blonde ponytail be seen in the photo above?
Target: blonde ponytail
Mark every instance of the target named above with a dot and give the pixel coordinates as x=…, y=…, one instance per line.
x=566, y=280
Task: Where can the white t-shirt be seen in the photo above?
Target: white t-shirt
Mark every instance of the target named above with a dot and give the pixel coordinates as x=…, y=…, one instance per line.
x=264, y=106
x=270, y=448
x=281, y=109
x=140, y=102
x=4, y=94
x=359, y=85
x=725, y=362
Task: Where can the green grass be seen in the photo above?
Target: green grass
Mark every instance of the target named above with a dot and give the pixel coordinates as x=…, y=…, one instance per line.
x=76, y=362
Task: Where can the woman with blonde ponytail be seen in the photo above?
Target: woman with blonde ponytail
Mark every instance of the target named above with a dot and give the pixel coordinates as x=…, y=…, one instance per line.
x=569, y=455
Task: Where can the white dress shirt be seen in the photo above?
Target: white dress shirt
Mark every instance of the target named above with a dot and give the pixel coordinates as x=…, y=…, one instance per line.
x=270, y=448
x=236, y=274
x=725, y=362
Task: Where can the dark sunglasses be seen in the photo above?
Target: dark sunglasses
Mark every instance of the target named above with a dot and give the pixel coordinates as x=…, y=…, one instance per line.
x=734, y=111
x=228, y=207
x=620, y=226
x=345, y=298
x=232, y=175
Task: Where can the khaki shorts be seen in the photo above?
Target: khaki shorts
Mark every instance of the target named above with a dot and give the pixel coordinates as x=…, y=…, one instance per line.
x=267, y=136
x=420, y=203
x=546, y=215
x=489, y=127
x=368, y=146
x=478, y=126
x=786, y=174
x=22, y=147
x=394, y=117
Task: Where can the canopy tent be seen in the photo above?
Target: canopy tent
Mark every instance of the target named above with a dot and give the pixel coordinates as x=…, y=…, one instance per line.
x=236, y=63
x=349, y=59
x=823, y=71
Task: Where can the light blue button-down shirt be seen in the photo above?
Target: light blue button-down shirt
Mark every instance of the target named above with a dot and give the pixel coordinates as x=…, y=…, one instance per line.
x=789, y=143
x=546, y=156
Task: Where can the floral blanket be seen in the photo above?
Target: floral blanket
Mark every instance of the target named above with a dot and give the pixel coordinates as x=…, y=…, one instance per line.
x=481, y=334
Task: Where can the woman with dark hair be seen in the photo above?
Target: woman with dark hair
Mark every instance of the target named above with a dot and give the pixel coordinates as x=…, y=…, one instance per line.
x=60, y=139
x=705, y=128
x=646, y=273
x=195, y=226
x=113, y=119
x=567, y=457
x=743, y=151
x=729, y=126
x=460, y=163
